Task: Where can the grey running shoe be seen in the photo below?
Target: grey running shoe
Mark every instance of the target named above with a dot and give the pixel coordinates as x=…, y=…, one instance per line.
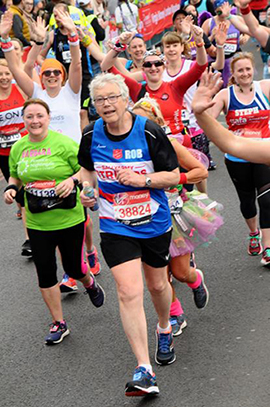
x=178, y=323
x=201, y=294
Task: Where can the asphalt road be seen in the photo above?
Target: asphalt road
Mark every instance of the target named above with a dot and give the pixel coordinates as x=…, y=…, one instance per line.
x=222, y=356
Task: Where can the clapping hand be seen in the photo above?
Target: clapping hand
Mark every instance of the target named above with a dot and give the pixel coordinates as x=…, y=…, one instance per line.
x=197, y=33
x=40, y=29
x=186, y=25
x=6, y=24
x=65, y=20
x=210, y=84
x=221, y=34
x=242, y=3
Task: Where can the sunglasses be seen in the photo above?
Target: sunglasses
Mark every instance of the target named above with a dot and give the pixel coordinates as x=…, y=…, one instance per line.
x=150, y=64
x=55, y=72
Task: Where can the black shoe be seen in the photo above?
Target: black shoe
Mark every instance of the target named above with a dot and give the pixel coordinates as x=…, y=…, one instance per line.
x=143, y=384
x=58, y=331
x=96, y=293
x=212, y=165
x=164, y=348
x=201, y=294
x=26, y=249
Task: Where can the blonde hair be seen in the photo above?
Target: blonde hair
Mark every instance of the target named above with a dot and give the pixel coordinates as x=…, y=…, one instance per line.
x=151, y=107
x=238, y=57
x=172, y=37
x=3, y=62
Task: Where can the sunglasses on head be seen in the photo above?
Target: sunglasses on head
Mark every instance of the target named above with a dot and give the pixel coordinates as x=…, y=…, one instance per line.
x=149, y=64
x=56, y=72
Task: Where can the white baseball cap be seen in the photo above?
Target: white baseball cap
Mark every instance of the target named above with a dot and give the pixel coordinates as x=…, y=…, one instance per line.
x=83, y=2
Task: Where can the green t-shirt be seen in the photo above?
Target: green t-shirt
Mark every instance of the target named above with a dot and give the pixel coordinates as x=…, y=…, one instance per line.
x=54, y=158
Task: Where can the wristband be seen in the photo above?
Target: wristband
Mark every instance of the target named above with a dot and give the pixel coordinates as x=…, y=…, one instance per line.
x=5, y=40
x=73, y=43
x=73, y=34
x=73, y=38
x=200, y=45
x=183, y=178
x=117, y=46
x=220, y=46
x=75, y=180
x=12, y=186
x=7, y=46
x=38, y=42
x=245, y=10
x=86, y=41
x=229, y=17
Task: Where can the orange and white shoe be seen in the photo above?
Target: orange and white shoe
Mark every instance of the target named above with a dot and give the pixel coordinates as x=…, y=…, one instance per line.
x=93, y=261
x=68, y=285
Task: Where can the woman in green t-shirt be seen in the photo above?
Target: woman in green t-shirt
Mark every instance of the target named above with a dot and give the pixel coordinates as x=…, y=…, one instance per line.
x=46, y=164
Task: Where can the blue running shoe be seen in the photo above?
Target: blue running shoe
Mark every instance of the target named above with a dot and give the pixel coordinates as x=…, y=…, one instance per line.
x=178, y=323
x=57, y=333
x=143, y=384
x=164, y=348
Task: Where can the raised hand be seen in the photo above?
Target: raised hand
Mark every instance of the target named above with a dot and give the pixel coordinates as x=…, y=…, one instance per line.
x=6, y=23
x=40, y=29
x=66, y=20
x=210, y=84
x=197, y=33
x=221, y=33
x=186, y=24
x=226, y=9
x=242, y=3
x=126, y=37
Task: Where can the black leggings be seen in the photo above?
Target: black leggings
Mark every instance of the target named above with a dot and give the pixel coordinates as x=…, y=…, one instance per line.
x=70, y=242
x=4, y=166
x=252, y=181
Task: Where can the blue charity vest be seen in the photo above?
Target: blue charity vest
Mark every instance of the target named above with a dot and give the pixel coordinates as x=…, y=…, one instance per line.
x=125, y=210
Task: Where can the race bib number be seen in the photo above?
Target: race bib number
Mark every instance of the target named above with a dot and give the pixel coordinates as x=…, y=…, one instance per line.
x=66, y=55
x=132, y=208
x=230, y=48
x=41, y=189
x=7, y=141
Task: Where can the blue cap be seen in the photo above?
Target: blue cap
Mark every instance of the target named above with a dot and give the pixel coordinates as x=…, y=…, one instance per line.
x=218, y=3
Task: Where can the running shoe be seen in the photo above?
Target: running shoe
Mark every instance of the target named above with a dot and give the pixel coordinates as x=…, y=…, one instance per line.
x=93, y=261
x=192, y=260
x=143, y=384
x=96, y=293
x=265, y=261
x=164, y=348
x=26, y=249
x=201, y=294
x=255, y=244
x=68, y=285
x=19, y=214
x=212, y=165
x=58, y=330
x=178, y=323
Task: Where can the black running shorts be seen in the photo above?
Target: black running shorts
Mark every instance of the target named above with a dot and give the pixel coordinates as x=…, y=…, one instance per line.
x=118, y=249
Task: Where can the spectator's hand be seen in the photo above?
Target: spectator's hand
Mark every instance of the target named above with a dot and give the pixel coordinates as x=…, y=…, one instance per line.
x=66, y=20
x=126, y=37
x=242, y=3
x=9, y=196
x=226, y=9
x=210, y=84
x=40, y=29
x=6, y=23
x=221, y=33
x=64, y=188
x=197, y=33
x=186, y=24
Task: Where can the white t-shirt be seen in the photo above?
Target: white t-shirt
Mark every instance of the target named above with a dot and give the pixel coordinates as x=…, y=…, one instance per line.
x=65, y=110
x=123, y=15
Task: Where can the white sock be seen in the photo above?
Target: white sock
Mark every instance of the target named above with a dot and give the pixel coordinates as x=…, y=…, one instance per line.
x=163, y=330
x=148, y=368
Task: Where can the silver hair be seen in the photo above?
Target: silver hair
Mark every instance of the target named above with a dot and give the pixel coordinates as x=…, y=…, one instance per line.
x=103, y=79
x=154, y=52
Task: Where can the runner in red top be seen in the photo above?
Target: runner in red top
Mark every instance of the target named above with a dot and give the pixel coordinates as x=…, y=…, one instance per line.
x=169, y=95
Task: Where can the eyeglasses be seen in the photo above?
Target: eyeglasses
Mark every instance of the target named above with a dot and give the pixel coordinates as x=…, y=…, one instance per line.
x=55, y=72
x=111, y=99
x=149, y=64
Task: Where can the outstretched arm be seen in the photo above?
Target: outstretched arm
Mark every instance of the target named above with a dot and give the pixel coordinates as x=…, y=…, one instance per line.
x=23, y=80
x=225, y=140
x=256, y=30
x=40, y=31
